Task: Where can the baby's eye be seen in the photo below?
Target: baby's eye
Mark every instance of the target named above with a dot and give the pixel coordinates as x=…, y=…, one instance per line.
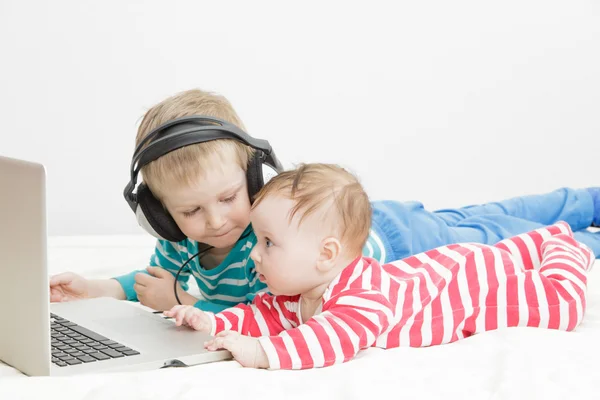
x=268, y=243
x=188, y=214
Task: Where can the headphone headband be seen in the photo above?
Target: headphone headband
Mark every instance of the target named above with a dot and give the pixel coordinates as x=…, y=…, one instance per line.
x=196, y=123
x=186, y=131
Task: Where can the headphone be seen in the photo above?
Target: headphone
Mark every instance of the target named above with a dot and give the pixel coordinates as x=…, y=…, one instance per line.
x=177, y=133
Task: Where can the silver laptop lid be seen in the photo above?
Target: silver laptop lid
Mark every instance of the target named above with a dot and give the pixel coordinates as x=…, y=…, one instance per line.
x=24, y=291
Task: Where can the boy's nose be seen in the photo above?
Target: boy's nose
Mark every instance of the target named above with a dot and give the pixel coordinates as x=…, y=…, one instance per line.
x=216, y=221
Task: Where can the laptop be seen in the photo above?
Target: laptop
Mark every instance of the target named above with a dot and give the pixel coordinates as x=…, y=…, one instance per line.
x=86, y=336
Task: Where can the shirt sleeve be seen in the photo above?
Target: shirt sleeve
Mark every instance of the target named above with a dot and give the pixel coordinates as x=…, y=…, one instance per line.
x=167, y=256
x=351, y=323
x=267, y=315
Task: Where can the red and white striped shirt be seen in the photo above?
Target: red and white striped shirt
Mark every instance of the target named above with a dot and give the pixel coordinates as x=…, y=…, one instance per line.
x=536, y=279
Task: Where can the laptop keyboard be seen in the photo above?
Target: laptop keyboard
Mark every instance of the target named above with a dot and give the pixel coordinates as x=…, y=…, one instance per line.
x=73, y=344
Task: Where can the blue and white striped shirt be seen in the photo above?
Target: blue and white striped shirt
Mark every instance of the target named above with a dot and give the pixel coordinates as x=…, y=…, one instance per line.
x=232, y=282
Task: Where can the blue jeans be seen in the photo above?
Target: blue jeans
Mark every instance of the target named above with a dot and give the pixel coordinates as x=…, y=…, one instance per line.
x=407, y=228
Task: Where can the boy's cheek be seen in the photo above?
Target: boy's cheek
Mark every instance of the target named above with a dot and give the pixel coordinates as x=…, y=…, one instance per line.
x=190, y=230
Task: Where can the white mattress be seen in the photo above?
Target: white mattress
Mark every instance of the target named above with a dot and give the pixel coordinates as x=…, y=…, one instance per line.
x=513, y=363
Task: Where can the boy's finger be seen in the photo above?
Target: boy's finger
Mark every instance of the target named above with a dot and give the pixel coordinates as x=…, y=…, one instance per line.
x=143, y=279
x=158, y=272
x=139, y=289
x=55, y=297
x=61, y=279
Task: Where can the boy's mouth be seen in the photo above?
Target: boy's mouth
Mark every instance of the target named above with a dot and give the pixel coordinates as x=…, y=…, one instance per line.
x=222, y=234
x=262, y=278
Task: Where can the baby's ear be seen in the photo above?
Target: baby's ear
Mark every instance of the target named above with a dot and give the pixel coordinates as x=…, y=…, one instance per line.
x=331, y=249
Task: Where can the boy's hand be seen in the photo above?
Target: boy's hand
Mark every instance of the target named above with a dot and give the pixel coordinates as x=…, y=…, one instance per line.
x=190, y=316
x=245, y=349
x=156, y=290
x=68, y=287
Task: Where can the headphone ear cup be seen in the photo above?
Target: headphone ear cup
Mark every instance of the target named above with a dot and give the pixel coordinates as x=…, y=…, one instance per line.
x=154, y=218
x=254, y=175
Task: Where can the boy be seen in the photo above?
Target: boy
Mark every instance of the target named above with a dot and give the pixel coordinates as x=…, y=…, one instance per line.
x=203, y=188
x=329, y=302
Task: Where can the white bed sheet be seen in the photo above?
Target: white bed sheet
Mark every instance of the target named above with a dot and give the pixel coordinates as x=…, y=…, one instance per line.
x=514, y=363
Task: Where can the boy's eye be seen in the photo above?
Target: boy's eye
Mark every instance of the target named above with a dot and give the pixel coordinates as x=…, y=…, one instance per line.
x=229, y=199
x=268, y=242
x=188, y=214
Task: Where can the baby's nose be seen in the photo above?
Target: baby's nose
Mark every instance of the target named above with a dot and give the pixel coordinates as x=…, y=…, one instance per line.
x=254, y=255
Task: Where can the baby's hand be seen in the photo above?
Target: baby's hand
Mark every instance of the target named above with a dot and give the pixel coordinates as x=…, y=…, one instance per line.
x=245, y=349
x=190, y=316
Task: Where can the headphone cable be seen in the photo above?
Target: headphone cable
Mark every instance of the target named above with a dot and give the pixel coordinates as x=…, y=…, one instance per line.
x=199, y=253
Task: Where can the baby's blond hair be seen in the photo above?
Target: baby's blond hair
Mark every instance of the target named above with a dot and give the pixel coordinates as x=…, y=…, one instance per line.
x=185, y=165
x=315, y=186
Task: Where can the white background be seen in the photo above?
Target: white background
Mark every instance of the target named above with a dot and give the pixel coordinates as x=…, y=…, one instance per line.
x=446, y=102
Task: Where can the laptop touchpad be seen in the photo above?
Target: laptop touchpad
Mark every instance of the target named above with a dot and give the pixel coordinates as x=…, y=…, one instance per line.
x=142, y=323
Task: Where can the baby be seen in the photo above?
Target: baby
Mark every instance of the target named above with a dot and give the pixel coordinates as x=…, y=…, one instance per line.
x=327, y=302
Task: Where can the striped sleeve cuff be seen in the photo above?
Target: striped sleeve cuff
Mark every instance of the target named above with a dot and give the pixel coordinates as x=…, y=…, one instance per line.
x=270, y=345
x=213, y=323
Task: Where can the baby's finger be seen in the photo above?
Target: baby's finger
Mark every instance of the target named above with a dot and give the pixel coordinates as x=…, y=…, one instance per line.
x=214, y=344
x=225, y=340
x=180, y=316
x=173, y=311
x=189, y=320
x=198, y=323
x=190, y=313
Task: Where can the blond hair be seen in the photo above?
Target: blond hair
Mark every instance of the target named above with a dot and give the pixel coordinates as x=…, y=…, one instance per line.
x=185, y=165
x=315, y=186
